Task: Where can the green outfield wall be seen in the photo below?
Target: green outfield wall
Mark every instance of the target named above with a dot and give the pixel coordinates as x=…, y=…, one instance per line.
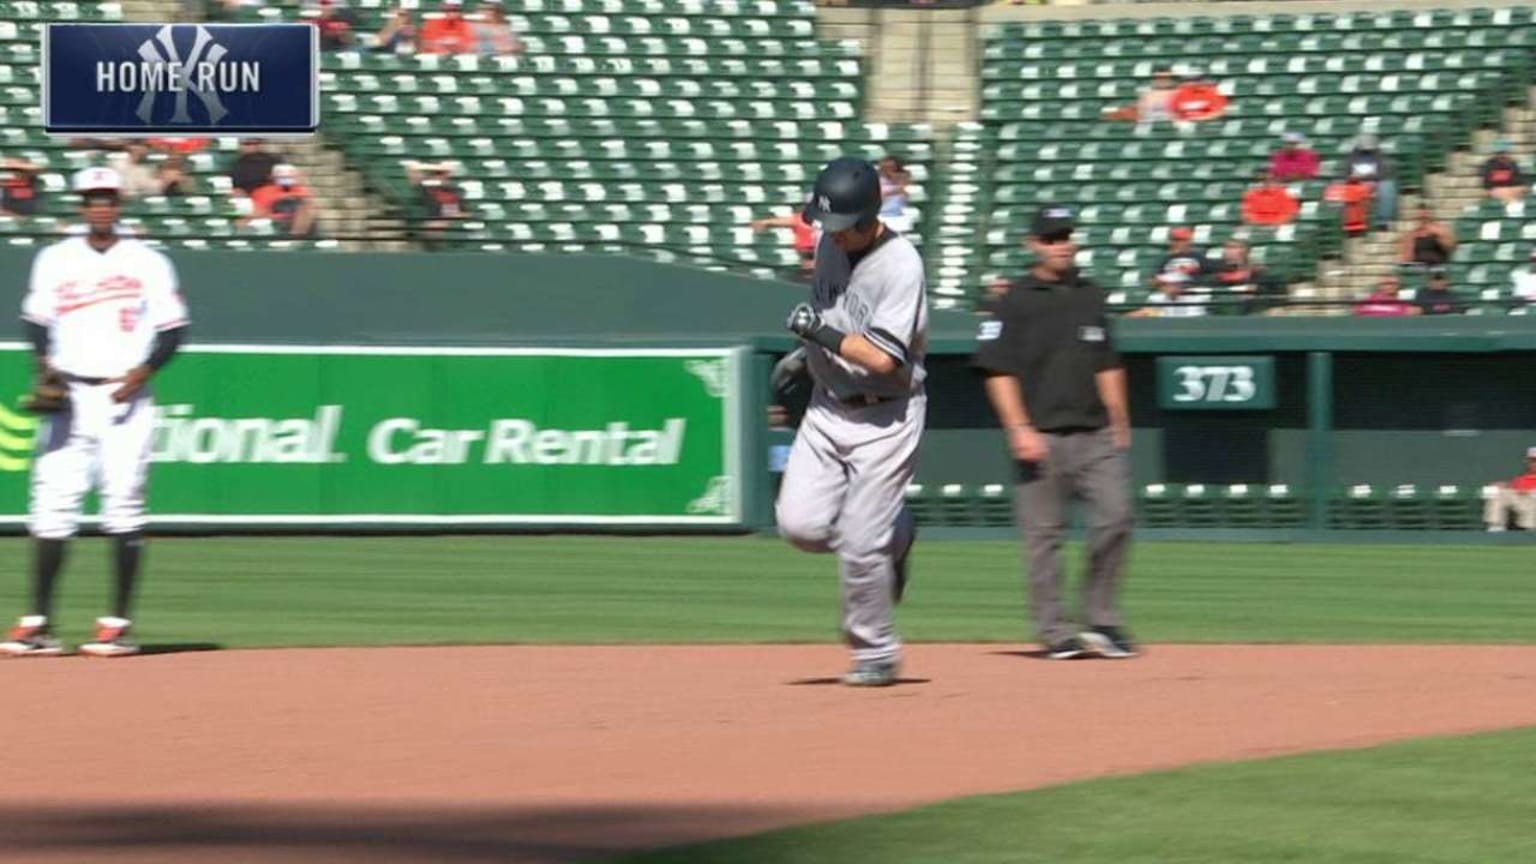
x=381, y=352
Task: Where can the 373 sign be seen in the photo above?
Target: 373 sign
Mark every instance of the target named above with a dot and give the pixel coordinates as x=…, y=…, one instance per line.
x=1216, y=383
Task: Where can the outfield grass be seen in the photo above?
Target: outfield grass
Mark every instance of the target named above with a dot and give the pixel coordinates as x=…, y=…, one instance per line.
x=1445, y=801
x=367, y=591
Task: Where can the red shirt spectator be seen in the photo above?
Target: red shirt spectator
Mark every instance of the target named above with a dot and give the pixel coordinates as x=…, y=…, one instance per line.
x=1525, y=482
x=1355, y=195
x=179, y=145
x=1197, y=100
x=335, y=25
x=19, y=187
x=1269, y=204
x=450, y=34
x=285, y=201
x=1294, y=160
x=1385, y=303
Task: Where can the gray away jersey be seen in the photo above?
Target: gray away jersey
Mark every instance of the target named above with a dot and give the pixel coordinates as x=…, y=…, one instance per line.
x=884, y=299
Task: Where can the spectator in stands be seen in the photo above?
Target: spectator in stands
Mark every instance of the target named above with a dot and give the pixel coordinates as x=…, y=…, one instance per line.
x=1294, y=160
x=893, y=194
x=1437, y=298
x=442, y=203
x=20, y=187
x=1196, y=100
x=1269, y=203
x=1355, y=194
x=1524, y=287
x=1184, y=264
x=185, y=146
x=1502, y=177
x=286, y=201
x=1518, y=496
x=494, y=31
x=1429, y=244
x=1386, y=302
x=449, y=33
x=337, y=24
x=138, y=177
x=1367, y=163
x=253, y=167
x=398, y=33
x=1155, y=104
x=1173, y=299
x=172, y=180
x=804, y=237
x=1239, y=275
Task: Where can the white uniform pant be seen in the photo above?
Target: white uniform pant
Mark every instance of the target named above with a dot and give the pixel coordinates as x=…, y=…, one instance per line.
x=93, y=443
x=844, y=491
x=1499, y=505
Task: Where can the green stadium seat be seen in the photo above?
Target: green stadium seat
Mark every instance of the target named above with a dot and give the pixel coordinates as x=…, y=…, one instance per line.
x=1201, y=507
x=1240, y=507
x=956, y=505
x=996, y=505
x=1407, y=509
x=1159, y=505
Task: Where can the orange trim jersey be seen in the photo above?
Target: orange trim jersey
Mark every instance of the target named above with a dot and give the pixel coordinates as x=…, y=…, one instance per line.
x=102, y=309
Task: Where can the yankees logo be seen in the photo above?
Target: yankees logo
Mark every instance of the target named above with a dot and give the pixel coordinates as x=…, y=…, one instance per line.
x=205, y=57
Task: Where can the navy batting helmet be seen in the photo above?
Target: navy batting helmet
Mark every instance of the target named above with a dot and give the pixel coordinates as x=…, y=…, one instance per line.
x=846, y=195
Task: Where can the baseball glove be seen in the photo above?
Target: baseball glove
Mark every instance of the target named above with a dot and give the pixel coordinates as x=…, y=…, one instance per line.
x=50, y=394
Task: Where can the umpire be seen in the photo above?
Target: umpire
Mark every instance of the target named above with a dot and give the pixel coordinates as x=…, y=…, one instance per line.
x=1058, y=387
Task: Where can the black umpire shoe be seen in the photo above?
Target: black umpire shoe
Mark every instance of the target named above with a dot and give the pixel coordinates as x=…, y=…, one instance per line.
x=1111, y=642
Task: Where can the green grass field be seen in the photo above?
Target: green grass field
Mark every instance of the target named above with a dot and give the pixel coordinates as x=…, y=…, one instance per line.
x=369, y=591
x=1439, y=801
x=1463, y=801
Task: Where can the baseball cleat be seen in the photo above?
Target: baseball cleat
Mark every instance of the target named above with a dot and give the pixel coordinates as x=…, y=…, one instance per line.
x=30, y=638
x=872, y=673
x=1110, y=642
x=111, y=640
x=1069, y=648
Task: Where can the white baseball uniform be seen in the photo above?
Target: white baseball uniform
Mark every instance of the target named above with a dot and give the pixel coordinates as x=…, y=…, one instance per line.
x=103, y=311
x=844, y=487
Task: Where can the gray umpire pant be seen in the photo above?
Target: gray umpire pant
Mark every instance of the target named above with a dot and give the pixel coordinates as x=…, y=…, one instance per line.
x=1088, y=466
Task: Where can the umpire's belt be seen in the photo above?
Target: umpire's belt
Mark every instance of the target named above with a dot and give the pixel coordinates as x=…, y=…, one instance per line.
x=861, y=400
x=84, y=379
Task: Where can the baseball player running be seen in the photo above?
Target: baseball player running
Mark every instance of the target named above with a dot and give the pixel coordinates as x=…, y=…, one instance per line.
x=104, y=315
x=844, y=486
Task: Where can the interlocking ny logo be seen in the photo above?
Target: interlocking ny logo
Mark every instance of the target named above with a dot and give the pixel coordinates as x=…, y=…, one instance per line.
x=204, y=50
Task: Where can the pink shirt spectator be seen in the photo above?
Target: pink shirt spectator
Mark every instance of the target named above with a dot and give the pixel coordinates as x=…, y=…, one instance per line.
x=1294, y=164
x=1384, y=303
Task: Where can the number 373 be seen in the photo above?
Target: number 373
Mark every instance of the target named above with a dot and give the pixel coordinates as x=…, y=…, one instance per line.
x=1215, y=384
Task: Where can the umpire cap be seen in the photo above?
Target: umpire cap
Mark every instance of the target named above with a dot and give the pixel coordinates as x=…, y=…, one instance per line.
x=846, y=195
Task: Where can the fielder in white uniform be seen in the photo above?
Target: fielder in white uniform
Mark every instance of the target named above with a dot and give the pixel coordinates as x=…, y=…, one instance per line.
x=104, y=314
x=844, y=486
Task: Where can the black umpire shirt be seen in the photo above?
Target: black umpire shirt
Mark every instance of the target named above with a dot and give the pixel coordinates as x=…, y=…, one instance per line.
x=1054, y=337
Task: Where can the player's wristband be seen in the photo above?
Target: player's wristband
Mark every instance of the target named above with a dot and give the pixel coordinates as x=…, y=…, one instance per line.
x=829, y=338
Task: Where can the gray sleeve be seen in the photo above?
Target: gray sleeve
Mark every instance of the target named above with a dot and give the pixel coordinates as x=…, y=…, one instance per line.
x=894, y=319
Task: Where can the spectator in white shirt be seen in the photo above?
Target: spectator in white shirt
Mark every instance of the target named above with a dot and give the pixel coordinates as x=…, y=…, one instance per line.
x=1524, y=280
x=1172, y=299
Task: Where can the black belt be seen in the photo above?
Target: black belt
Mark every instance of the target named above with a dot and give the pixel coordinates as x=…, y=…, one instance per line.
x=82, y=379
x=863, y=400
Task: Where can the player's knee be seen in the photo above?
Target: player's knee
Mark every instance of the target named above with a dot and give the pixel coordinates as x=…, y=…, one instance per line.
x=805, y=530
x=52, y=526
